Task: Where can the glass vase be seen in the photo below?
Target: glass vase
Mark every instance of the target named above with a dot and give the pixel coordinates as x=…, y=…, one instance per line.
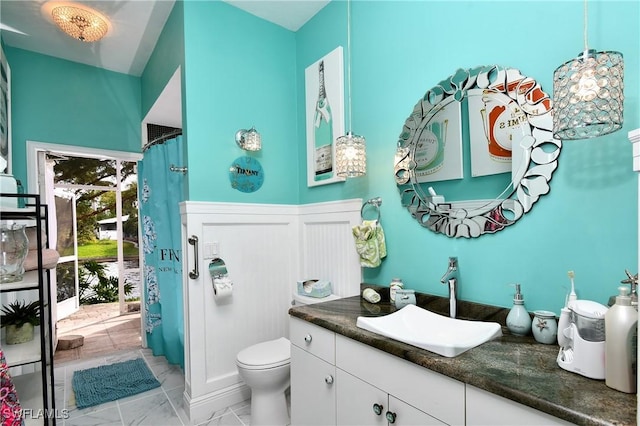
x=14, y=246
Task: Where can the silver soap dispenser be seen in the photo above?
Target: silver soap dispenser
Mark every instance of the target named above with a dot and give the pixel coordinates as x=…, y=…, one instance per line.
x=518, y=320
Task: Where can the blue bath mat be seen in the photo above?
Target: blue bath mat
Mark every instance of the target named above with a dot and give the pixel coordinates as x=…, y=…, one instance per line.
x=110, y=382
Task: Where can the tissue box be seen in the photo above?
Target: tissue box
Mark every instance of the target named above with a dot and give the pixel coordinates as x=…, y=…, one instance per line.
x=314, y=288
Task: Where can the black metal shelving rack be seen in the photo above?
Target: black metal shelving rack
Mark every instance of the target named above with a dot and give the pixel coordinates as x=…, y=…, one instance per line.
x=28, y=385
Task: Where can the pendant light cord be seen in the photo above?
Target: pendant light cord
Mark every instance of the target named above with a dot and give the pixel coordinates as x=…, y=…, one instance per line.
x=349, y=57
x=586, y=47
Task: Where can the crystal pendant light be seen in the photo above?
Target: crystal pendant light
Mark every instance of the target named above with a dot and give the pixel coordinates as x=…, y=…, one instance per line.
x=351, y=157
x=588, y=94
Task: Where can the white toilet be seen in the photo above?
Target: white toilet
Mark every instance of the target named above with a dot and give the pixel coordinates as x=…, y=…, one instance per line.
x=265, y=367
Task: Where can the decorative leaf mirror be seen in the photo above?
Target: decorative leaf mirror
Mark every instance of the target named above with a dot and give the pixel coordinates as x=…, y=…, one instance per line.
x=477, y=152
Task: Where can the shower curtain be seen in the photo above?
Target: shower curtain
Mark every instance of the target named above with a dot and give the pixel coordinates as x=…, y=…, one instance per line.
x=160, y=192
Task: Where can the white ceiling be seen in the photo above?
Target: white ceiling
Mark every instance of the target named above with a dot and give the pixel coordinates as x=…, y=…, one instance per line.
x=134, y=31
x=135, y=28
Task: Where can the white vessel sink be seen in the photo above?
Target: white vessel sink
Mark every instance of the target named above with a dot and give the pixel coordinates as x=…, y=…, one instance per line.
x=427, y=330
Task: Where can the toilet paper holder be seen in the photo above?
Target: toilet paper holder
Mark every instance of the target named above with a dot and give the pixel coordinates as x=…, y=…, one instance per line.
x=222, y=284
x=217, y=268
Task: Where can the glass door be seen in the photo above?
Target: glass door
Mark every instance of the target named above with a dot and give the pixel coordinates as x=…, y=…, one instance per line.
x=66, y=276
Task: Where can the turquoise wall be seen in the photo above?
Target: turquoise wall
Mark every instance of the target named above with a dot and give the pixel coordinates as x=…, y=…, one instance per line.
x=63, y=102
x=400, y=49
x=240, y=72
x=165, y=59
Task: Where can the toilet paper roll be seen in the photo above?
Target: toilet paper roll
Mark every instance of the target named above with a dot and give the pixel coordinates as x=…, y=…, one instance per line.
x=222, y=288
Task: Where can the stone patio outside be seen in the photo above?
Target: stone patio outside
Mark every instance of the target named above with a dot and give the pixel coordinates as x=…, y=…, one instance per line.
x=104, y=331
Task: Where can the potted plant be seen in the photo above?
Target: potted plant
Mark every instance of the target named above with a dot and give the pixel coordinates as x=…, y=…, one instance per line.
x=19, y=318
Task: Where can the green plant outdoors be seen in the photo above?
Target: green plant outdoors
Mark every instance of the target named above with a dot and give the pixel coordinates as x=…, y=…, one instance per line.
x=95, y=287
x=19, y=313
x=105, y=248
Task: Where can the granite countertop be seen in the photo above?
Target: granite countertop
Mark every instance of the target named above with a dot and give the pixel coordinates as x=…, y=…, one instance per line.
x=517, y=368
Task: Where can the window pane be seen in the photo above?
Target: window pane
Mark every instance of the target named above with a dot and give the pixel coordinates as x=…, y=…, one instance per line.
x=85, y=171
x=66, y=280
x=64, y=217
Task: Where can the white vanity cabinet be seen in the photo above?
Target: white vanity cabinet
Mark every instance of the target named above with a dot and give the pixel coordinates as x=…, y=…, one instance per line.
x=313, y=373
x=336, y=380
x=485, y=408
x=417, y=395
x=359, y=403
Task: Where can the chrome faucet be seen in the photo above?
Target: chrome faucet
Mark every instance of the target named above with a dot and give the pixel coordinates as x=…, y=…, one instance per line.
x=451, y=277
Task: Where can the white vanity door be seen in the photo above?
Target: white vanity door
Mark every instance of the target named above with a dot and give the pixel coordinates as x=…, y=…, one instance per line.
x=408, y=415
x=356, y=399
x=355, y=406
x=313, y=390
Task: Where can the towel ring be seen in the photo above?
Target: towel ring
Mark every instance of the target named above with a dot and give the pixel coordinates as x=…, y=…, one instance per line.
x=375, y=202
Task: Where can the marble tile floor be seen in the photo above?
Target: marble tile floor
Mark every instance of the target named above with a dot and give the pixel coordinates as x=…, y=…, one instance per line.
x=110, y=337
x=158, y=407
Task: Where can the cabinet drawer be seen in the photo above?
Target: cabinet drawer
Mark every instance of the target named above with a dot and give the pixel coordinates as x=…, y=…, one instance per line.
x=314, y=339
x=434, y=393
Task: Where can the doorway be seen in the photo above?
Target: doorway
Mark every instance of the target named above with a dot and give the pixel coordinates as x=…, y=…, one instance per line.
x=79, y=183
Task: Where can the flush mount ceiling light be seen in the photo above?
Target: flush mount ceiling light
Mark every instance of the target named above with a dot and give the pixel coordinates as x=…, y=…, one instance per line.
x=249, y=140
x=351, y=155
x=588, y=94
x=80, y=22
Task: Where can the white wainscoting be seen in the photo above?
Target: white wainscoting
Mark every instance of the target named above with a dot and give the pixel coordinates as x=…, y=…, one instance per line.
x=327, y=248
x=266, y=248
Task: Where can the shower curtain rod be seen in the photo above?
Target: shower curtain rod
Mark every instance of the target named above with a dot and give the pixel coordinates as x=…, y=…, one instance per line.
x=161, y=139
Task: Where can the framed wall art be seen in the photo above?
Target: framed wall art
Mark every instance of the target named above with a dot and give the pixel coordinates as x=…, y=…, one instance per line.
x=489, y=133
x=324, y=103
x=438, y=146
x=5, y=114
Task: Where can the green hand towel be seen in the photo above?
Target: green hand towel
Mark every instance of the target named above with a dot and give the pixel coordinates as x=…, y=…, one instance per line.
x=382, y=245
x=366, y=245
x=370, y=243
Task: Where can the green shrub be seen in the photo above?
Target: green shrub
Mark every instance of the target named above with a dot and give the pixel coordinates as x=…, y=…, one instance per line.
x=95, y=287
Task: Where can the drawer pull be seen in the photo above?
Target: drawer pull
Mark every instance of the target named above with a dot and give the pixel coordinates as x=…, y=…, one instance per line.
x=391, y=417
x=308, y=338
x=377, y=408
x=329, y=379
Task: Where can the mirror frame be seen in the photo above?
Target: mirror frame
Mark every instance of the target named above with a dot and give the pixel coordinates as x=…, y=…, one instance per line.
x=539, y=151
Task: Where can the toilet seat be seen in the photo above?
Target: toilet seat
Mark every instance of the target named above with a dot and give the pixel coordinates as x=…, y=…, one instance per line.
x=265, y=355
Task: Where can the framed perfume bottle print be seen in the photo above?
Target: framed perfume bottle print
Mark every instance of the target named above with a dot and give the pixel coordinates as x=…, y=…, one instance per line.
x=438, y=145
x=324, y=116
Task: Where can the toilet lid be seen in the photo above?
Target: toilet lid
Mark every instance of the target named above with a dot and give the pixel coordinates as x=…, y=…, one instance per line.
x=273, y=353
